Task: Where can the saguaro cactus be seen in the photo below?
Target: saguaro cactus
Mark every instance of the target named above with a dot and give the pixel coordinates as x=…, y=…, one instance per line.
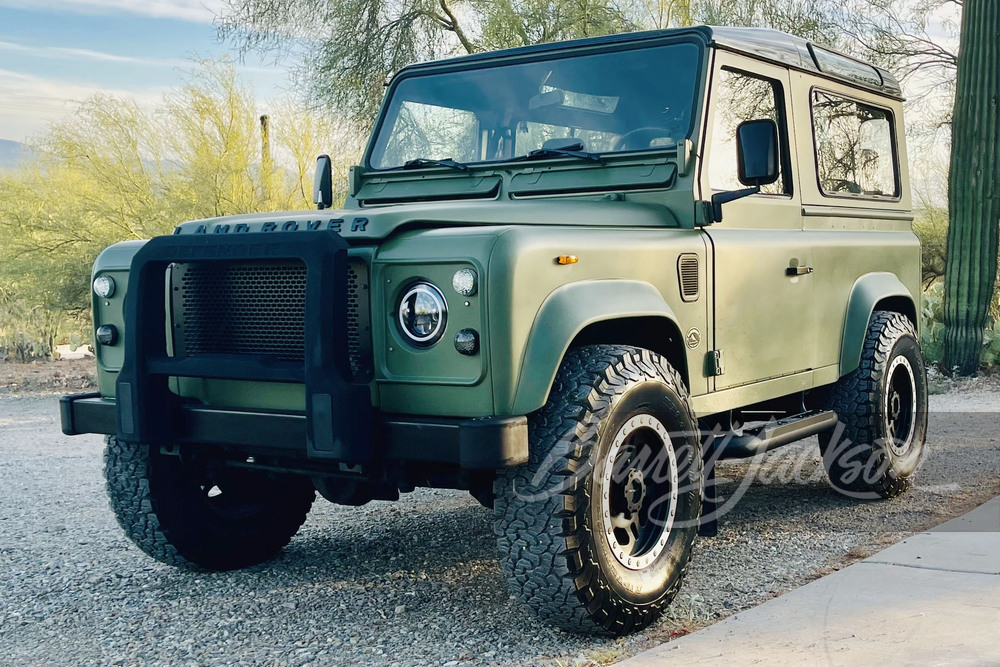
x=974, y=191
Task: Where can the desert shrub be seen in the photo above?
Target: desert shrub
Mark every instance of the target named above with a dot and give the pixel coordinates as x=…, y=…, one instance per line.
x=931, y=225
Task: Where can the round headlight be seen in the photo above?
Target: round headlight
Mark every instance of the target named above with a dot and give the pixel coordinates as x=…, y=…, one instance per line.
x=104, y=286
x=423, y=313
x=465, y=282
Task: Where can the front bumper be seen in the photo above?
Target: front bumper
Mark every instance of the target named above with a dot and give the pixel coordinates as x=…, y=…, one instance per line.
x=471, y=444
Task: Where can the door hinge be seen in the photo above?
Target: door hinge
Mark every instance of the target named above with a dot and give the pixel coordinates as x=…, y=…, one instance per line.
x=714, y=363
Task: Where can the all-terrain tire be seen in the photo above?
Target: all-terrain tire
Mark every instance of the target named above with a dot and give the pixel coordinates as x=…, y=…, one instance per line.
x=175, y=513
x=877, y=447
x=549, y=516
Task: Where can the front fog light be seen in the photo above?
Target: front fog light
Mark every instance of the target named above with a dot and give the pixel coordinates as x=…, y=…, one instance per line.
x=465, y=282
x=467, y=341
x=423, y=314
x=104, y=286
x=106, y=334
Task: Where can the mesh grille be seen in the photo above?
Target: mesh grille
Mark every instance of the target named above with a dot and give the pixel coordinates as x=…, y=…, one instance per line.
x=687, y=274
x=258, y=307
x=357, y=309
x=243, y=308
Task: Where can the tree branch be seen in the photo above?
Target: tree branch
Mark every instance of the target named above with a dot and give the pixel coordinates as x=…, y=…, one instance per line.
x=456, y=28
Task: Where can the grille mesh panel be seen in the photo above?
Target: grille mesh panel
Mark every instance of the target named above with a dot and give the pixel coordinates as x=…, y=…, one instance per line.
x=354, y=326
x=258, y=307
x=244, y=308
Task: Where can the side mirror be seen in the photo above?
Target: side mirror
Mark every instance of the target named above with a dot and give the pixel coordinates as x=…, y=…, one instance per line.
x=323, y=184
x=757, y=162
x=757, y=152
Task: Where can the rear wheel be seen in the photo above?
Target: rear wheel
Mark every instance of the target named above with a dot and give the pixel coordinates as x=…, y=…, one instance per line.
x=595, y=531
x=882, y=406
x=193, y=516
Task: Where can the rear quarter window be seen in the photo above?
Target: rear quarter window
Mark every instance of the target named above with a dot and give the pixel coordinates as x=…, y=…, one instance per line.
x=855, y=148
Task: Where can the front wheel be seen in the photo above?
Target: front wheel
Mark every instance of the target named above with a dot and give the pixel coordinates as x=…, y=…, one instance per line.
x=882, y=406
x=595, y=531
x=193, y=516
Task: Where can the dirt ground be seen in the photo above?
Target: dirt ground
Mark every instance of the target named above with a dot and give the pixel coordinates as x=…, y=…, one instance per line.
x=414, y=582
x=68, y=376
x=65, y=376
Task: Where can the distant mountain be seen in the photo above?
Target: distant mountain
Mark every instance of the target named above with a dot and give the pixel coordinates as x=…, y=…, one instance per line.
x=12, y=153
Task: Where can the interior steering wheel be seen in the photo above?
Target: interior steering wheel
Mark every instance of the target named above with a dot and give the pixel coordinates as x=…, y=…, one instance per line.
x=624, y=141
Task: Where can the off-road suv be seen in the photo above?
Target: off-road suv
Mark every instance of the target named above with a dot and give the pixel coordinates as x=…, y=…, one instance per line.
x=566, y=278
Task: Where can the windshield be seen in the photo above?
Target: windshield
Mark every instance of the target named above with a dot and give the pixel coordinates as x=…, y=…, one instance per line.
x=637, y=99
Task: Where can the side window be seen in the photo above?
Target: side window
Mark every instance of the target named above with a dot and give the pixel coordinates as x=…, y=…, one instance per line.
x=740, y=97
x=854, y=147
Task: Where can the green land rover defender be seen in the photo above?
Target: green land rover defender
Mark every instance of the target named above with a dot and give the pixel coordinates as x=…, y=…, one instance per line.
x=568, y=278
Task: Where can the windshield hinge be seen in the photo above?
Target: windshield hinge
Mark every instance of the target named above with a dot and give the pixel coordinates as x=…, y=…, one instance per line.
x=704, y=213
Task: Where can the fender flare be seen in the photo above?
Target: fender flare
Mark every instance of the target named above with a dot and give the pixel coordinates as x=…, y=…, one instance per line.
x=566, y=312
x=867, y=292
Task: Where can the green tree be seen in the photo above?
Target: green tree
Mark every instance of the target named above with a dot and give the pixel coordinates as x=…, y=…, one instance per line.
x=115, y=171
x=345, y=49
x=974, y=195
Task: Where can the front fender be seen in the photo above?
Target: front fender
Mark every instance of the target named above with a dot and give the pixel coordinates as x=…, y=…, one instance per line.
x=115, y=261
x=868, y=291
x=566, y=312
x=117, y=257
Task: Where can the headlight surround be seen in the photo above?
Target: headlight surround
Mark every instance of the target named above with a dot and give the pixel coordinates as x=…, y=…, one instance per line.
x=423, y=314
x=104, y=286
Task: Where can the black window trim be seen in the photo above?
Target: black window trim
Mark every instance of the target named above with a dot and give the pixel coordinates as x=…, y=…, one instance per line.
x=897, y=196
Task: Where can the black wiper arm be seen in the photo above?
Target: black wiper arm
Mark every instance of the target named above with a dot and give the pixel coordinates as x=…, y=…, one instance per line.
x=574, y=149
x=420, y=162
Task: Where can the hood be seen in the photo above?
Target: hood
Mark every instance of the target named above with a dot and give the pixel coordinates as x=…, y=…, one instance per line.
x=359, y=226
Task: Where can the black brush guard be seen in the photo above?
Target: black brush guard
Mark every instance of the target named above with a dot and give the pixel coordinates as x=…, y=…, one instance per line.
x=339, y=414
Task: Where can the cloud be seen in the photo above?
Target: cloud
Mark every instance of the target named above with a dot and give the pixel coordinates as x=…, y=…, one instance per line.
x=28, y=103
x=66, y=53
x=199, y=11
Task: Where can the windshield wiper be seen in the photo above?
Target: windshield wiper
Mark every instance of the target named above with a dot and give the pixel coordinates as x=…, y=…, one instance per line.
x=574, y=149
x=420, y=162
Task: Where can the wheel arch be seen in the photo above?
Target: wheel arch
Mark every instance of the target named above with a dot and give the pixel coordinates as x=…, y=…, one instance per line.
x=623, y=312
x=871, y=292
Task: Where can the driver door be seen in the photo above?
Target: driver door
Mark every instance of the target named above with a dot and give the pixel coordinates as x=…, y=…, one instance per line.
x=765, y=323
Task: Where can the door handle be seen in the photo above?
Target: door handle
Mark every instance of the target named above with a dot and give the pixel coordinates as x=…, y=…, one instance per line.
x=798, y=270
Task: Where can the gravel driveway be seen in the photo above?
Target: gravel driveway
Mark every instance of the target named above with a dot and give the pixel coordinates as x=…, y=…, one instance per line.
x=413, y=582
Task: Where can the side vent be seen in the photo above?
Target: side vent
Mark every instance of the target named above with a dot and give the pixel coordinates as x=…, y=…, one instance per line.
x=687, y=274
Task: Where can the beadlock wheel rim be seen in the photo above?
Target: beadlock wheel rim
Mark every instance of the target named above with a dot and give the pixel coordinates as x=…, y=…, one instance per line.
x=900, y=406
x=639, y=497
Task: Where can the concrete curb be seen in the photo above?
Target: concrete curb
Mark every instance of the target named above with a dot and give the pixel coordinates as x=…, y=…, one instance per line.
x=934, y=598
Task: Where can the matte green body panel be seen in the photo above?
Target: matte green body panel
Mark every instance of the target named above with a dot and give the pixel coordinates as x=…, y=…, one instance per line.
x=523, y=275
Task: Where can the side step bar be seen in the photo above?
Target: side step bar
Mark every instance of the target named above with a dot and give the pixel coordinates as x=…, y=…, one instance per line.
x=752, y=442
x=774, y=434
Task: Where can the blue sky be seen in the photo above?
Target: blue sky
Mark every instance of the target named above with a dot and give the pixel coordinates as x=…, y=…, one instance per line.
x=57, y=52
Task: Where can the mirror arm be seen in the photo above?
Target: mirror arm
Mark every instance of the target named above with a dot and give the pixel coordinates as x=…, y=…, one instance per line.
x=720, y=198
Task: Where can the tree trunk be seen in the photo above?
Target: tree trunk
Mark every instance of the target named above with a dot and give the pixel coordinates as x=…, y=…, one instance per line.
x=974, y=188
